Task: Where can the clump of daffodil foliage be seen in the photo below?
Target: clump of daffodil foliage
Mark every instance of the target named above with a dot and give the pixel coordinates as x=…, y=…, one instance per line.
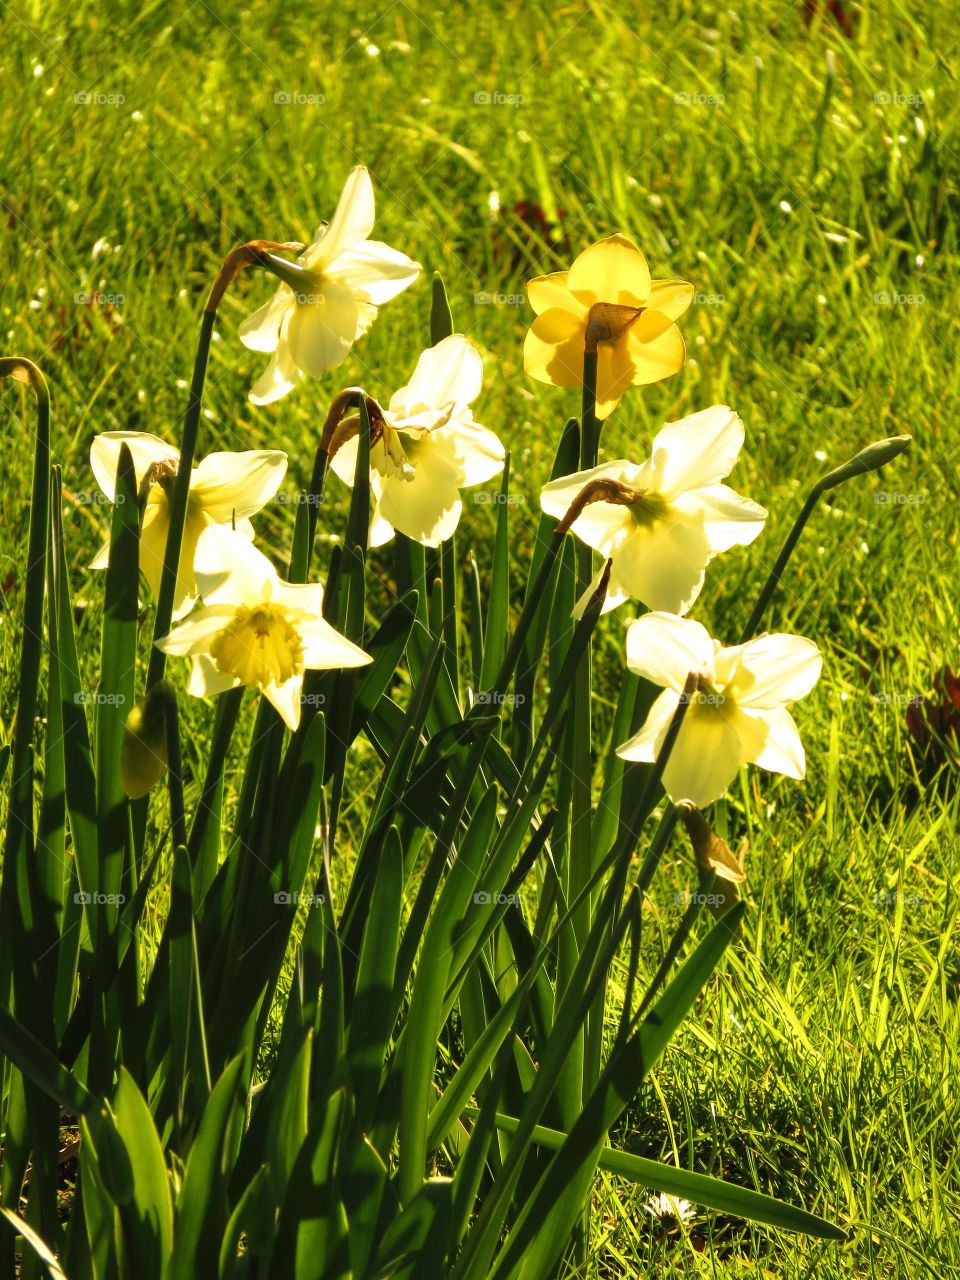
x=432, y=1094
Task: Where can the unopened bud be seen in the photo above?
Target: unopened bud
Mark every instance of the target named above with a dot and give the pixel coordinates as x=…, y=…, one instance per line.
x=143, y=760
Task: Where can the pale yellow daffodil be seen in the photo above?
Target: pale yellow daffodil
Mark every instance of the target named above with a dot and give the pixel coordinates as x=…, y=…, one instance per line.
x=429, y=448
x=343, y=279
x=254, y=629
x=738, y=714
x=672, y=516
x=607, y=300
x=225, y=489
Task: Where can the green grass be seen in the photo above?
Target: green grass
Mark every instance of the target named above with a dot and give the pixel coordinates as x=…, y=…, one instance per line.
x=798, y=176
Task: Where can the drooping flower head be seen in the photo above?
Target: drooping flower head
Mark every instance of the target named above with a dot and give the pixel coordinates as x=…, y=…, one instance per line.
x=738, y=714
x=254, y=629
x=668, y=516
x=607, y=300
x=225, y=489
x=428, y=447
x=344, y=279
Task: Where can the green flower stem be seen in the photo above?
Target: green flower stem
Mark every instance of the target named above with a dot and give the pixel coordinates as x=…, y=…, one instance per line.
x=869, y=459
x=254, y=253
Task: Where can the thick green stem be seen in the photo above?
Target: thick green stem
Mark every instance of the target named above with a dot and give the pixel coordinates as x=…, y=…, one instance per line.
x=869, y=459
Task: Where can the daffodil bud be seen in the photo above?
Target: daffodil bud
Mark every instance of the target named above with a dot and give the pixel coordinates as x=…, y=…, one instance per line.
x=143, y=760
x=716, y=862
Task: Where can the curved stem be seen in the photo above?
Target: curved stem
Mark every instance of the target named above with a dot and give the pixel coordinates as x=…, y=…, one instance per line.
x=253, y=254
x=869, y=459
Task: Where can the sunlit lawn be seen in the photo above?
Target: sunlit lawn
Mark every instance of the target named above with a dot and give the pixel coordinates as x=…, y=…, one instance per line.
x=806, y=180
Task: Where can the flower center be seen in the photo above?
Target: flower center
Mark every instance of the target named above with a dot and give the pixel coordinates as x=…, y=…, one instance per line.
x=648, y=510
x=710, y=697
x=259, y=647
x=390, y=455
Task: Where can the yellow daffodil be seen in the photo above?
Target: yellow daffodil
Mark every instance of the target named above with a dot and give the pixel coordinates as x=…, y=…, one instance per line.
x=225, y=488
x=342, y=279
x=738, y=714
x=608, y=301
x=254, y=629
x=429, y=447
x=667, y=517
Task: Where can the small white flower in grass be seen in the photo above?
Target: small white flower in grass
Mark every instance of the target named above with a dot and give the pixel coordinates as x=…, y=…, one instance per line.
x=681, y=517
x=738, y=714
x=254, y=629
x=346, y=278
x=430, y=448
x=225, y=489
x=662, y=1205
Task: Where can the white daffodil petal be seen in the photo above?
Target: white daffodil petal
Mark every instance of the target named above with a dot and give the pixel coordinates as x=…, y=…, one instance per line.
x=321, y=332
x=373, y=271
x=426, y=507
x=352, y=222
x=206, y=679
x=729, y=520
x=145, y=450
x=261, y=329
x=286, y=699
x=230, y=569
x=280, y=377
x=325, y=649
x=238, y=485
x=195, y=635
x=381, y=530
x=615, y=597
x=102, y=559
x=776, y=669
x=645, y=744
x=475, y=452
x=344, y=462
x=782, y=751
x=704, y=760
x=302, y=597
x=698, y=450
x=665, y=649
x=449, y=373
x=664, y=565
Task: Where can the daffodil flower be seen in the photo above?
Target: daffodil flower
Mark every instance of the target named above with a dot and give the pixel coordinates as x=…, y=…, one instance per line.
x=340, y=281
x=668, y=517
x=606, y=300
x=738, y=714
x=429, y=447
x=225, y=489
x=254, y=629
